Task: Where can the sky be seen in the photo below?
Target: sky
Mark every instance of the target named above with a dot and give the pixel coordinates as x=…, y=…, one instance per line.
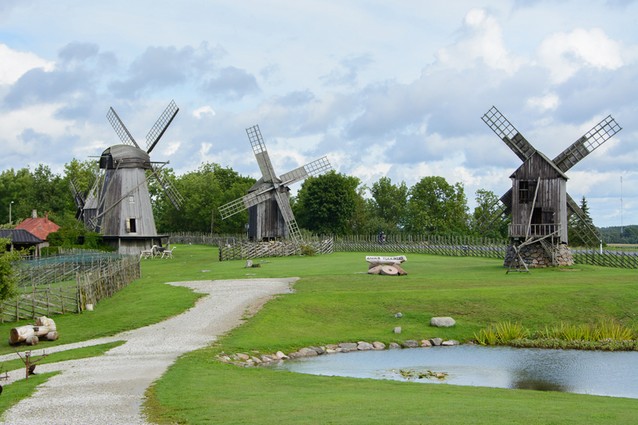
x=381, y=88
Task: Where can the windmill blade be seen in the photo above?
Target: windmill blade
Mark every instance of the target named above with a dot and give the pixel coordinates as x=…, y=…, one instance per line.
x=313, y=168
x=582, y=147
x=120, y=128
x=159, y=128
x=77, y=196
x=506, y=199
x=245, y=202
x=508, y=133
x=168, y=188
x=261, y=154
x=578, y=220
x=289, y=218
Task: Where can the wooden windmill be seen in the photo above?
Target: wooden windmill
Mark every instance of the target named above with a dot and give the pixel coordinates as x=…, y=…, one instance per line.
x=538, y=201
x=268, y=200
x=119, y=205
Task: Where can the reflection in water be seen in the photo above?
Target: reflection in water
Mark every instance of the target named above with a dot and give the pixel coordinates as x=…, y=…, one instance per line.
x=585, y=372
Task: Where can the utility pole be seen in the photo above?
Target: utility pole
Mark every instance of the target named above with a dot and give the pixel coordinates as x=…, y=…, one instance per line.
x=10, y=221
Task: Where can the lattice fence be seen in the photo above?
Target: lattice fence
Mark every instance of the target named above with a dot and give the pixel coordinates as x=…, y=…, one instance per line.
x=66, y=283
x=248, y=250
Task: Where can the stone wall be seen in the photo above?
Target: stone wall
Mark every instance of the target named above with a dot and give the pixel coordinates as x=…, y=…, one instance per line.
x=536, y=256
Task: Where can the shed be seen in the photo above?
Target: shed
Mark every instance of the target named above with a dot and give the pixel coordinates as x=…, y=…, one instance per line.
x=21, y=239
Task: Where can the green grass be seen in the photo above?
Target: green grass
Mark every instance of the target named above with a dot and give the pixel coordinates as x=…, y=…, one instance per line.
x=74, y=354
x=335, y=301
x=210, y=392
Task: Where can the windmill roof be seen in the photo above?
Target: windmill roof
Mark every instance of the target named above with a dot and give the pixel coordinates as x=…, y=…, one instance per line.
x=20, y=236
x=39, y=227
x=545, y=159
x=124, y=156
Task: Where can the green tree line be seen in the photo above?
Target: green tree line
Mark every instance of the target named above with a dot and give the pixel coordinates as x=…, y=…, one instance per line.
x=332, y=203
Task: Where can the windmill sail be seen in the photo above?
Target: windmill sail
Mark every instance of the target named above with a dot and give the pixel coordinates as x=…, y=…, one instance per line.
x=313, y=168
x=119, y=127
x=159, y=128
x=582, y=147
x=508, y=133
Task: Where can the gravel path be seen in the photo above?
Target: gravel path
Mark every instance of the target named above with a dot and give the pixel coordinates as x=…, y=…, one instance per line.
x=109, y=389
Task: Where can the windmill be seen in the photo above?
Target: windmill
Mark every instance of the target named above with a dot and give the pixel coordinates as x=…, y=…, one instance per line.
x=119, y=204
x=538, y=202
x=268, y=200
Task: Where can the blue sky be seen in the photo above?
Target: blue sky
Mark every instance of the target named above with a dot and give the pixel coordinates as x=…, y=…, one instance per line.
x=382, y=88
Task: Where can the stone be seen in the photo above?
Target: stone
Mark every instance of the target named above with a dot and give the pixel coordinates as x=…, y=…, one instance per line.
x=442, y=322
x=280, y=355
x=450, y=343
x=426, y=343
x=364, y=346
x=242, y=356
x=378, y=345
x=307, y=352
x=436, y=341
x=398, y=315
x=410, y=343
x=397, y=330
x=394, y=345
x=348, y=346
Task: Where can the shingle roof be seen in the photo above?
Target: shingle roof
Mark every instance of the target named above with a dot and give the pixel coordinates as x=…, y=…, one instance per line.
x=39, y=227
x=20, y=236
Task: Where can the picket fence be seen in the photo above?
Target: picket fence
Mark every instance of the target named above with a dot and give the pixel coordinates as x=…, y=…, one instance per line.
x=67, y=283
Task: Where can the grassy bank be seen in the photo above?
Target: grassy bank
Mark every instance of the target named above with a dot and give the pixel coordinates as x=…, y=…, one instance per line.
x=335, y=301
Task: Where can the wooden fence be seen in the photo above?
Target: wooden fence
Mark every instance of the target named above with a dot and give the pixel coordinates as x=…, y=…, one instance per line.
x=248, y=250
x=625, y=260
x=65, y=284
x=237, y=247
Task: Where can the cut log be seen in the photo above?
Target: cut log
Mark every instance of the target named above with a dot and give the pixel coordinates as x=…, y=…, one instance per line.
x=22, y=333
x=51, y=336
x=32, y=340
x=389, y=271
x=375, y=270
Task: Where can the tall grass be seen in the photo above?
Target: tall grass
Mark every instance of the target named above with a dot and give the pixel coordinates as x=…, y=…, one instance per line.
x=605, y=330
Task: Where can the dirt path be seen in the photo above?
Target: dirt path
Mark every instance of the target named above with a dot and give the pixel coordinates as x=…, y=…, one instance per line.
x=109, y=389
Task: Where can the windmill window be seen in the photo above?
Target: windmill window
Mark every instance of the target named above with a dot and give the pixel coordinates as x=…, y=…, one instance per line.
x=526, y=190
x=131, y=225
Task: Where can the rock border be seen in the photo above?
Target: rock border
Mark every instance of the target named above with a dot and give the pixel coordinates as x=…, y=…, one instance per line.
x=255, y=358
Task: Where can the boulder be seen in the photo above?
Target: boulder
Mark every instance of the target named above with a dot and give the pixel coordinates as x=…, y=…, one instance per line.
x=410, y=343
x=377, y=345
x=364, y=346
x=436, y=341
x=394, y=345
x=397, y=330
x=442, y=322
x=450, y=343
x=348, y=346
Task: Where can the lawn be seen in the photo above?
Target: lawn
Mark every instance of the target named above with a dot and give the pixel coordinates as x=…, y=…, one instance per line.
x=335, y=301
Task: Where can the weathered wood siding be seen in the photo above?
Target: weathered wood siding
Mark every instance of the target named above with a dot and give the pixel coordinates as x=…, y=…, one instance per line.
x=551, y=199
x=265, y=221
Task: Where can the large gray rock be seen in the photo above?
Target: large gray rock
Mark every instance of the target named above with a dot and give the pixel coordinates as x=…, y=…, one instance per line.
x=364, y=346
x=348, y=346
x=410, y=343
x=442, y=322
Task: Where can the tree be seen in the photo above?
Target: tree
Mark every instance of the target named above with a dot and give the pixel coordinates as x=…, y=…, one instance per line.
x=7, y=277
x=389, y=204
x=437, y=207
x=487, y=219
x=204, y=191
x=579, y=230
x=327, y=204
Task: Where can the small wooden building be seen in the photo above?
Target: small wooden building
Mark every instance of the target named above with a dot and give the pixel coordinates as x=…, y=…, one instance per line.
x=265, y=220
x=539, y=200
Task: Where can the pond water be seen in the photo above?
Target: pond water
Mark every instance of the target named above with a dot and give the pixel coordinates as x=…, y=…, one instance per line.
x=585, y=372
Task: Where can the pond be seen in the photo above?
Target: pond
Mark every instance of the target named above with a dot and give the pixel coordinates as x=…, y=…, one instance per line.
x=586, y=372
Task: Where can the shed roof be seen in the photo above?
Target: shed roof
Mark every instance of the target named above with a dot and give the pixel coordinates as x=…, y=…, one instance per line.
x=38, y=226
x=20, y=236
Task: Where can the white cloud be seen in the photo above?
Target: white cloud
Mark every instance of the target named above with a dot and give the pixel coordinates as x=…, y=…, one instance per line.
x=547, y=102
x=204, y=111
x=483, y=41
x=564, y=54
x=15, y=64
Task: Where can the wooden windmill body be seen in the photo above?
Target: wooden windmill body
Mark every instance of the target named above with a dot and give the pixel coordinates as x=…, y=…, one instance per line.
x=119, y=204
x=270, y=216
x=538, y=202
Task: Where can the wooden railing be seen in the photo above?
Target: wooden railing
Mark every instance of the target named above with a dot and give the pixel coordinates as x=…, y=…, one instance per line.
x=523, y=230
